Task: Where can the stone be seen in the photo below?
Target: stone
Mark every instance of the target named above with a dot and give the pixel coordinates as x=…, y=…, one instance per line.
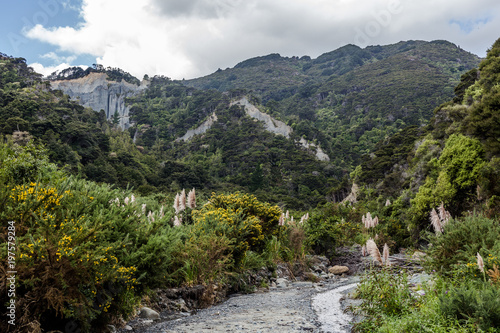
x=111, y=329
x=207, y=124
x=128, y=328
x=281, y=283
x=338, y=270
x=278, y=127
x=181, y=305
x=96, y=92
x=148, y=313
x=319, y=268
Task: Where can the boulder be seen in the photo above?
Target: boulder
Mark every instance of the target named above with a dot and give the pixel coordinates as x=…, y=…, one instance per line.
x=338, y=270
x=148, y=313
x=282, y=283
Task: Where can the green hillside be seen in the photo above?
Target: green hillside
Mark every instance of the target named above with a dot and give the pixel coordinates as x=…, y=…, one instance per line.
x=98, y=231
x=351, y=98
x=453, y=159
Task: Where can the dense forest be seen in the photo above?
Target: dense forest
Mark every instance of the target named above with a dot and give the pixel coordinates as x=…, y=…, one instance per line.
x=103, y=216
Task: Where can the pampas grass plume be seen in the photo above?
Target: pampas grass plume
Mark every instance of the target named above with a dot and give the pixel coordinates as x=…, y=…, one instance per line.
x=192, y=199
x=177, y=204
x=385, y=254
x=182, y=200
x=177, y=222
x=436, y=222
x=480, y=263
x=373, y=250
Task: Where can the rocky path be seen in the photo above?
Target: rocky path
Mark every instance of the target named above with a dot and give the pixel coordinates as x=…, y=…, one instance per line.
x=293, y=308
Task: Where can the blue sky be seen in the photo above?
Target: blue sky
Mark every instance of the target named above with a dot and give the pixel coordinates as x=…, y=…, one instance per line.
x=190, y=38
x=24, y=15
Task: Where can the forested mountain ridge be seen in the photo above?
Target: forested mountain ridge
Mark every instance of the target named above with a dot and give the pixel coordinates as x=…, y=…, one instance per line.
x=100, y=234
x=351, y=98
x=343, y=102
x=454, y=160
x=274, y=77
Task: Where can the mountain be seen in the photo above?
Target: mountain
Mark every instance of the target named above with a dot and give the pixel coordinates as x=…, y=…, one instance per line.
x=351, y=98
x=452, y=161
x=288, y=129
x=274, y=77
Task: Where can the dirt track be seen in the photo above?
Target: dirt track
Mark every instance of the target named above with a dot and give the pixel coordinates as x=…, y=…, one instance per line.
x=279, y=310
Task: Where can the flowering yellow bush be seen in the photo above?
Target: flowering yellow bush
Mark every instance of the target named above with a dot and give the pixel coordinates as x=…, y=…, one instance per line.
x=241, y=218
x=248, y=204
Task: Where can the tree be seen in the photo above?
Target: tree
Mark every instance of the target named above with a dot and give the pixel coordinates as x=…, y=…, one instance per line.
x=116, y=119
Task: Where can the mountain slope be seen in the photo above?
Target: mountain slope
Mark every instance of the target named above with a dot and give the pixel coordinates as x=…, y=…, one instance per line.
x=453, y=161
x=334, y=109
x=349, y=99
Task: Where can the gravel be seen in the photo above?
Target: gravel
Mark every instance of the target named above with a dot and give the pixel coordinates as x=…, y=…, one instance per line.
x=288, y=309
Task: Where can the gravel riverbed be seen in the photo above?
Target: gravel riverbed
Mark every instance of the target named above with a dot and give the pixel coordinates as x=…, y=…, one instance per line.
x=299, y=307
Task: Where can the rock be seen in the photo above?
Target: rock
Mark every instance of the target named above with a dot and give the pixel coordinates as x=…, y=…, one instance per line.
x=128, y=328
x=111, y=329
x=181, y=305
x=338, y=270
x=417, y=255
x=278, y=127
x=148, y=313
x=282, y=283
x=319, y=268
x=200, y=129
x=96, y=92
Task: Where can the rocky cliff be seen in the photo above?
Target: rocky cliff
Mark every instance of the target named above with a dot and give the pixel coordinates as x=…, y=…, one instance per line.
x=278, y=127
x=97, y=92
x=207, y=124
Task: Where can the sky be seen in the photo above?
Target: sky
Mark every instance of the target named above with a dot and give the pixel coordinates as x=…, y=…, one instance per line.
x=192, y=38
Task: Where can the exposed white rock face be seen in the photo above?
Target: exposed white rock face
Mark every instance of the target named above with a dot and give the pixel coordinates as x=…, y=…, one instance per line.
x=207, y=124
x=272, y=125
x=278, y=127
x=320, y=154
x=96, y=92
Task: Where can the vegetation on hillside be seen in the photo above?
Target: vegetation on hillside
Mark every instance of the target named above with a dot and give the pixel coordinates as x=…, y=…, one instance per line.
x=88, y=247
x=452, y=163
x=351, y=98
x=85, y=253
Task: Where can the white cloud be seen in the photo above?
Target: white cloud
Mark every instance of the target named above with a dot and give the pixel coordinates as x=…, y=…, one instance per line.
x=189, y=38
x=58, y=59
x=47, y=70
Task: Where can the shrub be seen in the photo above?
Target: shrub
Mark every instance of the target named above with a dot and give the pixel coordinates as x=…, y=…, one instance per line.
x=205, y=258
x=241, y=218
x=461, y=240
x=383, y=293
x=473, y=302
x=84, y=256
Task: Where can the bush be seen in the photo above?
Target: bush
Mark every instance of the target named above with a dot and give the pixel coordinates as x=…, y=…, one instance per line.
x=241, y=218
x=331, y=226
x=474, y=302
x=461, y=240
x=384, y=293
x=84, y=253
